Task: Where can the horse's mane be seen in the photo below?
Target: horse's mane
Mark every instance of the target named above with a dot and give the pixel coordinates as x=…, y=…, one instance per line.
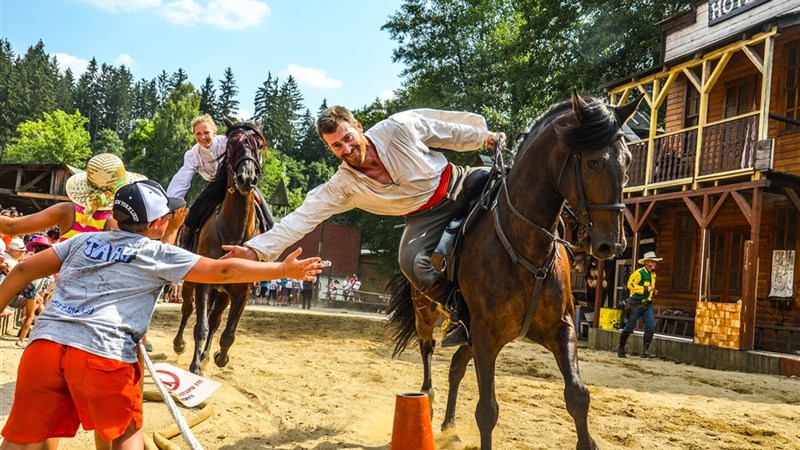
x=598, y=128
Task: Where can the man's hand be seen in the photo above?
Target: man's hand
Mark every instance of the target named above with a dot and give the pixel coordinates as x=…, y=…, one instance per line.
x=238, y=251
x=490, y=140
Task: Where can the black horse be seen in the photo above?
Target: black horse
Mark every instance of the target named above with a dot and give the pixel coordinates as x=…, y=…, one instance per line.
x=573, y=152
x=233, y=223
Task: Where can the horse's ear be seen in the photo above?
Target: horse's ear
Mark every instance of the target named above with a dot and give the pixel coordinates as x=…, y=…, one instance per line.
x=625, y=111
x=228, y=122
x=578, y=104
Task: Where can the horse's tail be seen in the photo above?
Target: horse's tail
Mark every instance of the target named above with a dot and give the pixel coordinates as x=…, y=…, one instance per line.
x=402, y=320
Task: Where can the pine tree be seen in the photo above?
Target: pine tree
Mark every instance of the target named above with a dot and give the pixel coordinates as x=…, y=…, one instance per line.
x=178, y=79
x=228, y=105
x=208, y=99
x=88, y=96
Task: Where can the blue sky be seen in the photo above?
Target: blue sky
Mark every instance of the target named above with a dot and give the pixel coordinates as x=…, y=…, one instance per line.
x=334, y=49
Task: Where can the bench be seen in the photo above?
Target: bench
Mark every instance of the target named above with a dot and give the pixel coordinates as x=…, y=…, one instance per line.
x=769, y=337
x=671, y=324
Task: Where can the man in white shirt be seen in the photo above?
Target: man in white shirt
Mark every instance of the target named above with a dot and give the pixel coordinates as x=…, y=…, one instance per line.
x=203, y=159
x=390, y=170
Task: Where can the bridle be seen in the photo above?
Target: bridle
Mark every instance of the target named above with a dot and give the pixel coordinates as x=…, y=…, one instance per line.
x=499, y=173
x=582, y=209
x=245, y=155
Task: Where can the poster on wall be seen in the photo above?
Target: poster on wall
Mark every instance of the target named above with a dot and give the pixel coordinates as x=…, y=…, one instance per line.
x=782, y=273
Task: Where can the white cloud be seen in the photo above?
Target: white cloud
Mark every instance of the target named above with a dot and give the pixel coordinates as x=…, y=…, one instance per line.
x=225, y=14
x=386, y=95
x=124, y=59
x=315, y=78
x=75, y=64
x=117, y=6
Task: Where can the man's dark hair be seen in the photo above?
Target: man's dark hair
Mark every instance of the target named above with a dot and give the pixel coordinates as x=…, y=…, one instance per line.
x=328, y=120
x=121, y=218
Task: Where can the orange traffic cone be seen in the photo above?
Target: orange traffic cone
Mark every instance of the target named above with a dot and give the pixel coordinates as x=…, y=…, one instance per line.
x=412, y=423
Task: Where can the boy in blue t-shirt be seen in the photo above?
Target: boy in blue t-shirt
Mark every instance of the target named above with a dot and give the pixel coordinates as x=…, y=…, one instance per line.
x=80, y=366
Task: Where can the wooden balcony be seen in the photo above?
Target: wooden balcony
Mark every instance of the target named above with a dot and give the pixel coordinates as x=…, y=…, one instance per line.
x=728, y=148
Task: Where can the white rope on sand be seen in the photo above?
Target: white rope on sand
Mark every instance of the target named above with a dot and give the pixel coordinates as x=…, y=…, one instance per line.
x=186, y=432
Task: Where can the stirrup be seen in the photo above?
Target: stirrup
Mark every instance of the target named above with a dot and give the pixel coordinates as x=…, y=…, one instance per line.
x=454, y=334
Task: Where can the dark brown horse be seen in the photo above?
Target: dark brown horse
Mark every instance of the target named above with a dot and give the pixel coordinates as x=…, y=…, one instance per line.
x=232, y=223
x=512, y=256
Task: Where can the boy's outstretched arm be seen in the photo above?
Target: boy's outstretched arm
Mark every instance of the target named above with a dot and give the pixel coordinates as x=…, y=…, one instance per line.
x=237, y=270
x=34, y=267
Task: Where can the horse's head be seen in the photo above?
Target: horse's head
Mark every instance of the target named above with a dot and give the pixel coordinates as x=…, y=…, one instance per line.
x=591, y=164
x=243, y=156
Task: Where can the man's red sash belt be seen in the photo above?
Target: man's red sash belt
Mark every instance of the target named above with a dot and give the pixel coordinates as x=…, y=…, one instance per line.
x=441, y=190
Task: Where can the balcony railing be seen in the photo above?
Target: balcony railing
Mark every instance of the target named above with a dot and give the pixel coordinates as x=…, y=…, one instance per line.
x=728, y=145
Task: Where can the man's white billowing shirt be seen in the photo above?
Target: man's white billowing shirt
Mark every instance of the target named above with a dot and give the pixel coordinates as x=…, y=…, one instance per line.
x=402, y=142
x=197, y=160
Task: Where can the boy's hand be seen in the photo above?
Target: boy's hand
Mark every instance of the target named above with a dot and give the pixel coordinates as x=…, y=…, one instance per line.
x=239, y=251
x=301, y=269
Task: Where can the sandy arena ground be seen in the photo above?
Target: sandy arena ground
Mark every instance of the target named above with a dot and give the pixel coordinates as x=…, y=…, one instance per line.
x=327, y=381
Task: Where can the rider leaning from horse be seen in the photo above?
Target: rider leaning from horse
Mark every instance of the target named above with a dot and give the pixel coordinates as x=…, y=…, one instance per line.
x=390, y=170
x=80, y=367
x=203, y=158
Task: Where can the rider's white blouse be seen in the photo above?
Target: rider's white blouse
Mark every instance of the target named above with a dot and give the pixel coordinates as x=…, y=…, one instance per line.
x=198, y=160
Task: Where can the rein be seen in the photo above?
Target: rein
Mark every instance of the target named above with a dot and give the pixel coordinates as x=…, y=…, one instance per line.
x=245, y=155
x=500, y=171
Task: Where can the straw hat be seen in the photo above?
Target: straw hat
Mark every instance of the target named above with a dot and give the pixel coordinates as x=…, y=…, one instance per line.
x=649, y=256
x=95, y=188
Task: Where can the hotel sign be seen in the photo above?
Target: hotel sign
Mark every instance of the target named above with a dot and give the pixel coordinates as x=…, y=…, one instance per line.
x=721, y=10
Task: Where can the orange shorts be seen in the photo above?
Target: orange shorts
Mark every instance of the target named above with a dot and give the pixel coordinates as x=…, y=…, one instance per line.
x=61, y=387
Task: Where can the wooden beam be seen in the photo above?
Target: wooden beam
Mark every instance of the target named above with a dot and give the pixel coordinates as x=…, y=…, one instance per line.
x=692, y=77
x=733, y=47
x=629, y=218
x=698, y=216
x=757, y=61
x=766, y=87
x=34, y=181
x=700, y=192
x=662, y=95
x=717, y=72
x=647, y=97
x=744, y=206
x=715, y=209
x=641, y=220
x=43, y=196
x=792, y=196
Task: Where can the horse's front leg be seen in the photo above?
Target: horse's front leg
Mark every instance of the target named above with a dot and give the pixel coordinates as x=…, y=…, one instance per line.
x=565, y=349
x=187, y=307
x=238, y=297
x=487, y=411
x=219, y=301
x=201, y=326
x=458, y=367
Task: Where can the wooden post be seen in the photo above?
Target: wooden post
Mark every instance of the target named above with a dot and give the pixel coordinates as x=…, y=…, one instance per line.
x=598, y=292
x=750, y=281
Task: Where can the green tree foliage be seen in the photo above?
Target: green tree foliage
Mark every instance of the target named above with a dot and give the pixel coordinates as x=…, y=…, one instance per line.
x=511, y=59
x=107, y=141
x=58, y=138
x=208, y=100
x=162, y=153
x=228, y=105
x=88, y=96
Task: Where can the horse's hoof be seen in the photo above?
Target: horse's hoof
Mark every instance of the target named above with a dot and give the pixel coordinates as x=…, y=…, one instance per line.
x=449, y=424
x=221, y=360
x=179, y=348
